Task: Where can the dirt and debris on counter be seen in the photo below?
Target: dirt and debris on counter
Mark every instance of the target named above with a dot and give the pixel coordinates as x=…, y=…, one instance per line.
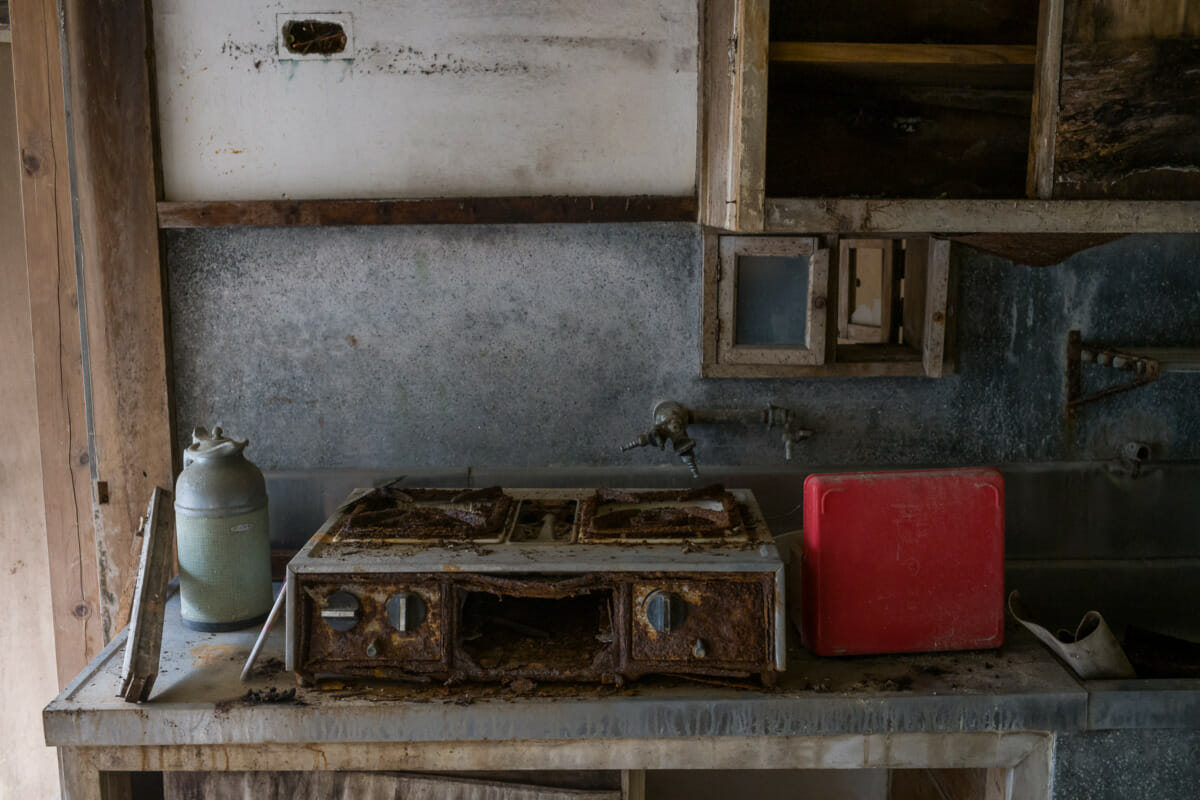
x=254, y=697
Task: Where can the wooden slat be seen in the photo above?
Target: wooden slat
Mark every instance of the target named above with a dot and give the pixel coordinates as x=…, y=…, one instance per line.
x=911, y=367
x=430, y=211
x=1039, y=178
x=50, y=255
x=937, y=289
x=750, y=97
x=710, y=299
x=144, y=642
x=804, y=215
x=882, y=53
x=121, y=279
x=916, y=256
x=718, y=59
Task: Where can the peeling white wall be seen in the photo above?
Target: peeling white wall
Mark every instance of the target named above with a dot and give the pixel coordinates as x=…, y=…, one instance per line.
x=442, y=98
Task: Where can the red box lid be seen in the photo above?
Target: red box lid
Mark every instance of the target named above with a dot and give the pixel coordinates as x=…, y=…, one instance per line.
x=904, y=561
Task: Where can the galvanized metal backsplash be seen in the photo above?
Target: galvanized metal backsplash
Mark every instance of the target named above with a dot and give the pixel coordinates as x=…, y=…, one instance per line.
x=535, y=346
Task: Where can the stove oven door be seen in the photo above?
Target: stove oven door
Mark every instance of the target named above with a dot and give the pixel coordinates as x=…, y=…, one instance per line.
x=702, y=624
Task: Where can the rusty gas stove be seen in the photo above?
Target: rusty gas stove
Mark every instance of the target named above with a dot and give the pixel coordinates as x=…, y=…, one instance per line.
x=542, y=584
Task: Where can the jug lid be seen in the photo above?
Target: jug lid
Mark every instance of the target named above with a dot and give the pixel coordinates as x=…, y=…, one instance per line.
x=206, y=444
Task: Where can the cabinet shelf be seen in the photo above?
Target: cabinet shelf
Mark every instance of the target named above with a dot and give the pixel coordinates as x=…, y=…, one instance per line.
x=905, y=53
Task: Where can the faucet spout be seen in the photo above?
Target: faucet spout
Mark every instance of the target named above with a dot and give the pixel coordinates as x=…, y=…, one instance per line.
x=671, y=420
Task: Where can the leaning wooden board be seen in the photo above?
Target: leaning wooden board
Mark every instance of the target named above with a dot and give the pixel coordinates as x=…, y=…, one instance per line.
x=149, y=601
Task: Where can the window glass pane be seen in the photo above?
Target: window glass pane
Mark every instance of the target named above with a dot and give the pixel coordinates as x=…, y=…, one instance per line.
x=772, y=300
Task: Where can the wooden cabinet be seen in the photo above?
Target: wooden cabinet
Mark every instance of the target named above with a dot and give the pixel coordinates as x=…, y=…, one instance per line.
x=937, y=116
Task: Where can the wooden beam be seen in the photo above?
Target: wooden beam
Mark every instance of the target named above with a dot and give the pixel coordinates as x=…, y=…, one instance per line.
x=1035, y=249
x=58, y=371
x=144, y=642
x=1039, y=177
x=734, y=80
x=750, y=97
x=805, y=215
x=840, y=369
x=876, y=53
x=121, y=280
x=431, y=211
x=717, y=78
x=937, y=289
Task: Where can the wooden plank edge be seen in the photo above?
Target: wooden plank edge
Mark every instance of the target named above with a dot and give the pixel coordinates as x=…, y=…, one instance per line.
x=749, y=141
x=913, y=216
x=839, y=369
x=429, y=211
x=50, y=255
x=905, y=53
x=1039, y=179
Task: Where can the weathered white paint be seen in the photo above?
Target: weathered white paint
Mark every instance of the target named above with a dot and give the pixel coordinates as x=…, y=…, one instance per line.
x=443, y=98
x=28, y=678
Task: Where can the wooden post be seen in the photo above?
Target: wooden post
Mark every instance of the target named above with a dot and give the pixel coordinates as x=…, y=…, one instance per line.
x=1039, y=181
x=53, y=302
x=144, y=643
x=110, y=88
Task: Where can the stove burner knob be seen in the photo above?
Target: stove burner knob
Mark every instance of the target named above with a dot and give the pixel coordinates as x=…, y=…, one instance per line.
x=699, y=650
x=406, y=611
x=665, y=611
x=341, y=611
x=373, y=648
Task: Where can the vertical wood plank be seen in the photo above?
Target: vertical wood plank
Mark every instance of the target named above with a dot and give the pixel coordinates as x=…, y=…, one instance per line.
x=633, y=784
x=753, y=59
x=710, y=311
x=937, y=290
x=140, y=668
x=916, y=257
x=834, y=285
x=1039, y=181
x=717, y=199
x=112, y=128
x=58, y=373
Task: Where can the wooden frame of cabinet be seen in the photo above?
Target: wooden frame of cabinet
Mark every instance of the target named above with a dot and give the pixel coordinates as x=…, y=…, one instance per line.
x=733, y=193
x=927, y=314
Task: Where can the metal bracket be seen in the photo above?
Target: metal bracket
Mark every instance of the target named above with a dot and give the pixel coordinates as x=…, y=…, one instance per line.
x=1145, y=369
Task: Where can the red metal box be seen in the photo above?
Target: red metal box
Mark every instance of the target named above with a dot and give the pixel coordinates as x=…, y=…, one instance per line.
x=907, y=561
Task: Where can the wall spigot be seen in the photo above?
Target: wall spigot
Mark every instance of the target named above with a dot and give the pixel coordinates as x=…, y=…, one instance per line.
x=670, y=425
x=671, y=420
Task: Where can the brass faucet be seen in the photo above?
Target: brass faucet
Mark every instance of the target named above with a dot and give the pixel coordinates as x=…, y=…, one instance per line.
x=671, y=420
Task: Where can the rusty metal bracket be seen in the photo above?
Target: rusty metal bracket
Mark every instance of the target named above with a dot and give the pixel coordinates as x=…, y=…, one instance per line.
x=1145, y=369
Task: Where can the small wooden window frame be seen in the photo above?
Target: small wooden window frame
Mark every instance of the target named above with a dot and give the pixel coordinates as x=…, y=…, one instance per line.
x=928, y=348
x=847, y=274
x=734, y=247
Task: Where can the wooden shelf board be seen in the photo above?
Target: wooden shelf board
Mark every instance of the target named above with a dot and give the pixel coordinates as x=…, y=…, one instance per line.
x=873, y=53
x=427, y=211
x=892, y=215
